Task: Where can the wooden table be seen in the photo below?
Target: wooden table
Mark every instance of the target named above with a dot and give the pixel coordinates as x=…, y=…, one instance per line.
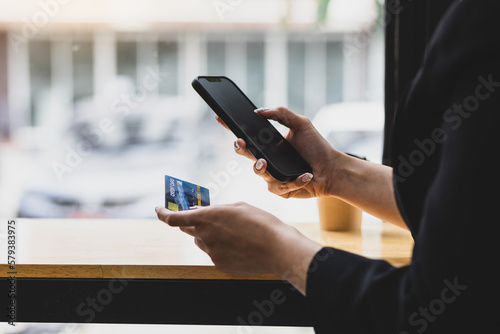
x=143, y=271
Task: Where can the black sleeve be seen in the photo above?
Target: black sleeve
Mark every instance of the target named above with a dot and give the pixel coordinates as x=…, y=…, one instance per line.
x=347, y=293
x=451, y=285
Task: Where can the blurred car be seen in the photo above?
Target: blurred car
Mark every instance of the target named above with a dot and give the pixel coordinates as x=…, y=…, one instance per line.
x=353, y=127
x=119, y=173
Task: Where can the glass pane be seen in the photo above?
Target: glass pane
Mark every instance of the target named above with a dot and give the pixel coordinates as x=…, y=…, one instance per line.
x=216, y=57
x=40, y=75
x=255, y=72
x=296, y=62
x=334, y=72
x=83, y=70
x=126, y=60
x=300, y=65
x=168, y=60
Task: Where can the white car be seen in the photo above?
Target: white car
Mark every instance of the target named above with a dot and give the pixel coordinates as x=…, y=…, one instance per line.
x=353, y=127
x=122, y=175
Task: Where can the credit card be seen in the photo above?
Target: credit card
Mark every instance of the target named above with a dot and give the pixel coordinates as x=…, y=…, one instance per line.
x=181, y=195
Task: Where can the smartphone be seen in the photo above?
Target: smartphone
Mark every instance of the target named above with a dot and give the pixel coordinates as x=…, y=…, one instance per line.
x=262, y=139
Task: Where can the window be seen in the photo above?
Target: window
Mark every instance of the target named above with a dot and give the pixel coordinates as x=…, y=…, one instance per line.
x=168, y=59
x=296, y=75
x=216, y=58
x=126, y=60
x=255, y=71
x=83, y=69
x=282, y=61
x=40, y=76
x=334, y=72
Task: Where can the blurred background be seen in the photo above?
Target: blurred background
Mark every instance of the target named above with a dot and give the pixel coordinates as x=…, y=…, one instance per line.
x=96, y=104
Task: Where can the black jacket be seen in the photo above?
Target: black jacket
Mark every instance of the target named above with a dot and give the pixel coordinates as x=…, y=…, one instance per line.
x=445, y=148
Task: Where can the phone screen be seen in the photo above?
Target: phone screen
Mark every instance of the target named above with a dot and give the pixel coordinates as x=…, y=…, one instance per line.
x=259, y=130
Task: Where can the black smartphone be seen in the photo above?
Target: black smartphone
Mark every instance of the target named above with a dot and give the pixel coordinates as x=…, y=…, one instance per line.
x=263, y=140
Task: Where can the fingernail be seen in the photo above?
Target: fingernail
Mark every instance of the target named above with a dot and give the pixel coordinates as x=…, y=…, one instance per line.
x=194, y=207
x=261, y=109
x=157, y=208
x=236, y=146
x=306, y=178
x=259, y=164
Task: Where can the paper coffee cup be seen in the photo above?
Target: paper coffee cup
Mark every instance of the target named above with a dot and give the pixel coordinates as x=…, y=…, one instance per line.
x=337, y=215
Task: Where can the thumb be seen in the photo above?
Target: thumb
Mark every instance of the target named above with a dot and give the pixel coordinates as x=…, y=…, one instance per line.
x=282, y=115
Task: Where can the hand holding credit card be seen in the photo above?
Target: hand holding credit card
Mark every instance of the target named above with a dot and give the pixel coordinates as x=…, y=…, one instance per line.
x=181, y=195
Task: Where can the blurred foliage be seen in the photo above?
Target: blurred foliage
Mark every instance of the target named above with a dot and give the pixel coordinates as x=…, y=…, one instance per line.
x=323, y=11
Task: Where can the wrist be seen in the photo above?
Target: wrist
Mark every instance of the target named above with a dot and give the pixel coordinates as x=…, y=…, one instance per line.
x=296, y=253
x=340, y=175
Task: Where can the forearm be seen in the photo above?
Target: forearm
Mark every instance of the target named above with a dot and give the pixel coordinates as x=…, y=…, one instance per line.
x=367, y=186
x=361, y=183
x=294, y=254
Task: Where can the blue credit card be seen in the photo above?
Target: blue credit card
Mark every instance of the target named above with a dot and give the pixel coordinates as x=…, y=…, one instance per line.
x=181, y=195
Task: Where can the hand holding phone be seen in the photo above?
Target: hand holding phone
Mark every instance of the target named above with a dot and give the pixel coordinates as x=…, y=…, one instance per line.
x=262, y=139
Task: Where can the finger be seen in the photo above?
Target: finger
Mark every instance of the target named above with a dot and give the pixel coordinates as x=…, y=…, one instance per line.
x=178, y=218
x=240, y=147
x=191, y=230
x=282, y=115
x=221, y=122
x=260, y=168
x=201, y=245
x=284, y=188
